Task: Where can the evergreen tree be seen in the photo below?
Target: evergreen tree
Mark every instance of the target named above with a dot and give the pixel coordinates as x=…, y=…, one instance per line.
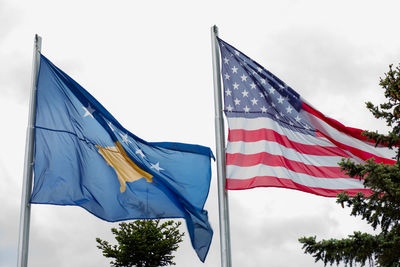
x=143, y=243
x=382, y=209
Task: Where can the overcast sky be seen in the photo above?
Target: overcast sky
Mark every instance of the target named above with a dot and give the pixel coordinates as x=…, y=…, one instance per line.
x=149, y=63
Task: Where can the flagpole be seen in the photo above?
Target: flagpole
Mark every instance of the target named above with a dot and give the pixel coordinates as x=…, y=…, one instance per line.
x=225, y=239
x=25, y=213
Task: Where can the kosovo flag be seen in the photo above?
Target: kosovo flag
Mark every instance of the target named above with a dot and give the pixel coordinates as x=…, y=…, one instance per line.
x=84, y=157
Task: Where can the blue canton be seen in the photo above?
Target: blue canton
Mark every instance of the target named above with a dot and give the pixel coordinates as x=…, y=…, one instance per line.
x=251, y=91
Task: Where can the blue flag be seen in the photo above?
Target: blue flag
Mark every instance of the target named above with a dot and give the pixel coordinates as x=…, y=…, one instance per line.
x=84, y=157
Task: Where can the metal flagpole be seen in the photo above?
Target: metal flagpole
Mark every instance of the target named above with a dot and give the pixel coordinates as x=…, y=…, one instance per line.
x=25, y=214
x=225, y=238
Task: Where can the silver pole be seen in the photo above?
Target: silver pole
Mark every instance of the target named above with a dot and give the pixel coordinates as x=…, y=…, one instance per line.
x=225, y=238
x=25, y=214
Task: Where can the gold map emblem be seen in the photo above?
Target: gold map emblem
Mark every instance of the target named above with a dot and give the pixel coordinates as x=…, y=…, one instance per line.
x=126, y=169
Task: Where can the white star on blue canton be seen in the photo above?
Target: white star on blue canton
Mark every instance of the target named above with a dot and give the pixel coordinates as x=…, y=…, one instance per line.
x=156, y=166
x=140, y=153
x=88, y=111
x=125, y=138
x=110, y=125
x=234, y=69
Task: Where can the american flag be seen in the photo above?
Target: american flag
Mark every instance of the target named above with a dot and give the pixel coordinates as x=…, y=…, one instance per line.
x=277, y=139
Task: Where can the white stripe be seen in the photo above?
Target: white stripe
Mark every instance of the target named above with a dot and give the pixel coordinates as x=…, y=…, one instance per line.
x=267, y=123
x=325, y=128
x=235, y=172
x=277, y=149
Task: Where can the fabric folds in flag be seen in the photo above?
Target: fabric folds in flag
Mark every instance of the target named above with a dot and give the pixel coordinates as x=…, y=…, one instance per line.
x=84, y=157
x=277, y=139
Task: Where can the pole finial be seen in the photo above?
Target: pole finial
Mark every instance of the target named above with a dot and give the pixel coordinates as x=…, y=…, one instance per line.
x=38, y=42
x=215, y=29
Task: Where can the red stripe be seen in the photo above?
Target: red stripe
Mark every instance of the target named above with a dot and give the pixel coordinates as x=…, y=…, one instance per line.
x=271, y=135
x=354, y=132
x=361, y=153
x=264, y=158
x=269, y=181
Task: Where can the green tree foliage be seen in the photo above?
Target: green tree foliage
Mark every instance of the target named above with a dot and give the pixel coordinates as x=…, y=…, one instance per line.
x=381, y=210
x=143, y=243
